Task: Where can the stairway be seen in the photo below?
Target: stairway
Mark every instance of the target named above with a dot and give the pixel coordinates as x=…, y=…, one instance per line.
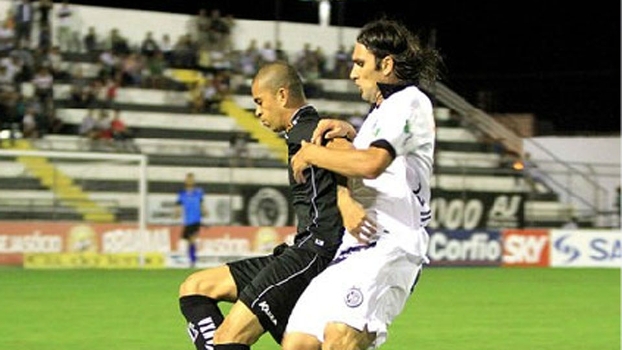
x=64, y=188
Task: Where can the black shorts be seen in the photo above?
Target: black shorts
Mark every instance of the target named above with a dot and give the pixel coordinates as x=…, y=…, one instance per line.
x=191, y=230
x=271, y=285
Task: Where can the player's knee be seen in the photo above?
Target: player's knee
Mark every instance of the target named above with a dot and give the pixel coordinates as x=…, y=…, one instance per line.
x=190, y=285
x=338, y=336
x=240, y=327
x=299, y=341
x=215, y=283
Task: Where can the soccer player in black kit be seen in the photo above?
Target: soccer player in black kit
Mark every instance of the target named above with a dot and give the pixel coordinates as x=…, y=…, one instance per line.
x=265, y=289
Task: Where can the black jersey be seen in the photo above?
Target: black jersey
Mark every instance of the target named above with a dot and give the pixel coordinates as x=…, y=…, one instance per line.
x=320, y=227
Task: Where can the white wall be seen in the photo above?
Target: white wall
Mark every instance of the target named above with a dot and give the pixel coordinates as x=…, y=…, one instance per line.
x=134, y=24
x=596, y=164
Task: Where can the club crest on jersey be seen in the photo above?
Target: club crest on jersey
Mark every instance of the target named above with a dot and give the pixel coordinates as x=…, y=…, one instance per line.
x=354, y=297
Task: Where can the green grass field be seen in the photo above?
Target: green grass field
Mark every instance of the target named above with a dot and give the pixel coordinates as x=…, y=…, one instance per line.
x=452, y=308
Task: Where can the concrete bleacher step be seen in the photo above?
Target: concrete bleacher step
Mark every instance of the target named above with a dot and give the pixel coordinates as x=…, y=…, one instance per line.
x=63, y=187
x=250, y=123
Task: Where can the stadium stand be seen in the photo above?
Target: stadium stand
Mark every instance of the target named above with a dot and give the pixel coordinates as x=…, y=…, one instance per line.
x=178, y=140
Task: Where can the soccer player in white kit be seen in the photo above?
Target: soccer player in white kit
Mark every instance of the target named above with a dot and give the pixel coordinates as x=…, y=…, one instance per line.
x=351, y=304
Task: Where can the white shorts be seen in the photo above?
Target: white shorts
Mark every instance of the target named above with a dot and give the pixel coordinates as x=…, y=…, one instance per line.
x=367, y=290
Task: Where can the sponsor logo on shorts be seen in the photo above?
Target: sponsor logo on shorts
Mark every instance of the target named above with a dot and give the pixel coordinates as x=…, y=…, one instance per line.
x=265, y=308
x=354, y=297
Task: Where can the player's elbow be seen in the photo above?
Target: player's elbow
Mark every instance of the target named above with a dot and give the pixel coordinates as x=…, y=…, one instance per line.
x=375, y=163
x=372, y=169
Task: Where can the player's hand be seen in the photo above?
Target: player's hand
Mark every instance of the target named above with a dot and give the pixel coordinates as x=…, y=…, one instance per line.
x=299, y=164
x=360, y=225
x=332, y=128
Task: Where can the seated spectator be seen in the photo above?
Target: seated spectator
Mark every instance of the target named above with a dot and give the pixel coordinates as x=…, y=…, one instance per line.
x=149, y=46
x=58, y=67
x=43, y=83
x=239, y=152
x=7, y=37
x=103, y=130
x=78, y=89
x=342, y=61
x=185, y=52
x=111, y=89
x=121, y=134
x=30, y=127
x=88, y=129
x=154, y=74
x=131, y=70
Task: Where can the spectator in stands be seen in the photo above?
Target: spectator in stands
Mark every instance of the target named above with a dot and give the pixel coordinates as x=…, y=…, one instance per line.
x=109, y=63
x=88, y=130
x=43, y=83
x=78, y=88
x=131, y=70
x=88, y=126
x=166, y=47
x=281, y=55
x=57, y=64
x=154, y=73
x=117, y=43
x=65, y=17
x=249, y=60
x=24, y=15
x=148, y=47
x=7, y=37
x=218, y=30
x=211, y=95
x=45, y=7
x=202, y=27
x=267, y=53
x=341, y=68
x=227, y=41
x=121, y=134
x=197, y=95
x=91, y=43
x=239, y=152
x=45, y=38
x=110, y=91
x=30, y=127
x=322, y=62
x=95, y=94
x=531, y=172
x=7, y=78
x=186, y=52
x=103, y=129
x=54, y=123
x=306, y=63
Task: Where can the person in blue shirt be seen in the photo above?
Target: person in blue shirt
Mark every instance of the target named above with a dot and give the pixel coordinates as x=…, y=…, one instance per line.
x=190, y=204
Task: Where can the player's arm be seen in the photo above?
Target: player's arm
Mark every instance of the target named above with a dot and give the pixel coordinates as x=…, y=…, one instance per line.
x=332, y=128
x=178, y=208
x=354, y=216
x=360, y=163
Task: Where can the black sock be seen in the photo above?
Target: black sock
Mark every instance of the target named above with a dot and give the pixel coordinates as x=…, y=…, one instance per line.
x=232, y=346
x=203, y=316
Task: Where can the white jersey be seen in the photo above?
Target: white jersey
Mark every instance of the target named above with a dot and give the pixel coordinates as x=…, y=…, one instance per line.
x=367, y=286
x=399, y=199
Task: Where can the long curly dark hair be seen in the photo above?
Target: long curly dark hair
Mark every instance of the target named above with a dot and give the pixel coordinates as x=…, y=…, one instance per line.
x=413, y=63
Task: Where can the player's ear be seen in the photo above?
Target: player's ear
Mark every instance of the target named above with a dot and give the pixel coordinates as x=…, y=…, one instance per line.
x=282, y=95
x=387, y=64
